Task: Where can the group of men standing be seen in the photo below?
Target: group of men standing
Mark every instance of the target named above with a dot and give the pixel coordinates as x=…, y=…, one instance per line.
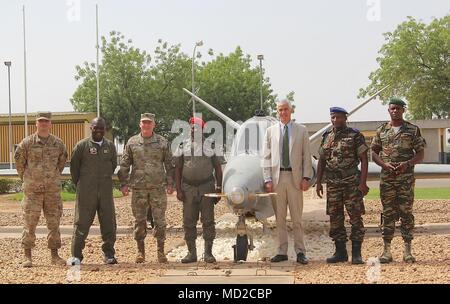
x=397, y=147
x=40, y=159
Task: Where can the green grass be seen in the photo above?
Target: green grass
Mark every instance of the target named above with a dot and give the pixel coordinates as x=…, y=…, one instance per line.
x=66, y=196
x=419, y=193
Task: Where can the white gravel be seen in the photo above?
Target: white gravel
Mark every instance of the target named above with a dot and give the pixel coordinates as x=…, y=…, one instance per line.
x=318, y=244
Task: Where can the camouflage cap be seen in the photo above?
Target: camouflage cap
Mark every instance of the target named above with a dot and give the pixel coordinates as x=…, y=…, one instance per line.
x=148, y=116
x=44, y=116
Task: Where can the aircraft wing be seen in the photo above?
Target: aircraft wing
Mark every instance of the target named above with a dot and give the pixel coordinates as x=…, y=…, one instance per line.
x=313, y=139
x=227, y=119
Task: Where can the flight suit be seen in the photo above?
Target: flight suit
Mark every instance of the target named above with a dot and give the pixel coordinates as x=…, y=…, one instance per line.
x=92, y=167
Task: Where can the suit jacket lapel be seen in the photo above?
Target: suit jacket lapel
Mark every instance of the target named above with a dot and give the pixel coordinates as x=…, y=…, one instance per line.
x=276, y=135
x=291, y=140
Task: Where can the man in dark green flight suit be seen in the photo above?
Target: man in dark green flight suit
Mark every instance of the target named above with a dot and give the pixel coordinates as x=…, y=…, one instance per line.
x=92, y=166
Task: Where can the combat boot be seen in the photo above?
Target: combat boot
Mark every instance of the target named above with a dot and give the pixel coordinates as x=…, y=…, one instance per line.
x=27, y=258
x=191, y=257
x=407, y=255
x=140, y=257
x=386, y=257
x=340, y=254
x=161, y=255
x=208, y=256
x=56, y=259
x=356, y=253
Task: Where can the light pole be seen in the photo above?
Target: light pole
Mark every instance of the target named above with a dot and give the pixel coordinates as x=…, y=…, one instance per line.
x=200, y=43
x=8, y=64
x=261, y=58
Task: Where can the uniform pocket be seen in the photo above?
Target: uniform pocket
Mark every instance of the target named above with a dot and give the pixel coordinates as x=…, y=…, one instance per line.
x=36, y=154
x=406, y=141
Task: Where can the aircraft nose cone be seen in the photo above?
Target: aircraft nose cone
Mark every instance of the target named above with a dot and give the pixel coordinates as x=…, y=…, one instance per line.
x=237, y=195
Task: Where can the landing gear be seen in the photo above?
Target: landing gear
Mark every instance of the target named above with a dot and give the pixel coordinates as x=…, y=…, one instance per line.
x=241, y=248
x=243, y=245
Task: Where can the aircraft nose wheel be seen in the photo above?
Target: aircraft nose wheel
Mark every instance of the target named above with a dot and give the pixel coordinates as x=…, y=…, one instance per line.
x=241, y=248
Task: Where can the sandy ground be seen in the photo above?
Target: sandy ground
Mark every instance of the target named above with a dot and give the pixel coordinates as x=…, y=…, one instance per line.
x=92, y=270
x=11, y=212
x=425, y=211
x=432, y=253
x=432, y=266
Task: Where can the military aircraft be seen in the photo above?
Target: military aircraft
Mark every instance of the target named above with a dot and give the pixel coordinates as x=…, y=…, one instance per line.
x=243, y=183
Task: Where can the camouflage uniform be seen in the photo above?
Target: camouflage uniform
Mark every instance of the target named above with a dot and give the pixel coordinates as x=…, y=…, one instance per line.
x=341, y=150
x=152, y=169
x=92, y=167
x=397, y=190
x=197, y=180
x=39, y=164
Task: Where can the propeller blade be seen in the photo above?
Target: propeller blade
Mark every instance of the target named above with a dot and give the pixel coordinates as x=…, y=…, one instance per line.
x=215, y=195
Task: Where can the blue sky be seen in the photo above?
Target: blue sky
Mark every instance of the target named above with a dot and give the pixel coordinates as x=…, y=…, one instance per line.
x=323, y=50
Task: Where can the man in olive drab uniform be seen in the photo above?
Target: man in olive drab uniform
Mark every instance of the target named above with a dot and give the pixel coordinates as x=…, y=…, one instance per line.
x=151, y=159
x=40, y=159
x=397, y=147
x=195, y=168
x=94, y=160
x=341, y=150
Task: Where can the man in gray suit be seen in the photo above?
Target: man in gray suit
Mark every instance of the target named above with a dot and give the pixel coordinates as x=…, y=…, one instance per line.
x=287, y=170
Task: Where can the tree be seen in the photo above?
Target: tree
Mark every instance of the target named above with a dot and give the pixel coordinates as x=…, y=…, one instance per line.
x=124, y=93
x=232, y=85
x=415, y=62
x=132, y=82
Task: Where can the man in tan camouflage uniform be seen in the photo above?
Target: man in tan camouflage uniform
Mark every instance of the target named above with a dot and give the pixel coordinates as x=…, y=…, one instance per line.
x=151, y=160
x=196, y=164
x=397, y=147
x=341, y=151
x=40, y=159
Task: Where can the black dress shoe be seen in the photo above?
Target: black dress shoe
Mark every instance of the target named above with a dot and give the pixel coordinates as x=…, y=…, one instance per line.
x=279, y=258
x=301, y=258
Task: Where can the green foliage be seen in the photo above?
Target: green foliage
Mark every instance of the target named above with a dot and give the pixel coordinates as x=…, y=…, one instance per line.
x=69, y=186
x=419, y=193
x=6, y=185
x=415, y=62
x=10, y=185
x=132, y=82
x=230, y=84
x=65, y=196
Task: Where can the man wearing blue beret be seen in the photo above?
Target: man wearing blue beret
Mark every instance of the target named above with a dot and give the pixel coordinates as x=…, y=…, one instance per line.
x=341, y=150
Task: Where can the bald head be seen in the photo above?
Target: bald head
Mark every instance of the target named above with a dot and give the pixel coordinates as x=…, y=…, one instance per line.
x=98, y=128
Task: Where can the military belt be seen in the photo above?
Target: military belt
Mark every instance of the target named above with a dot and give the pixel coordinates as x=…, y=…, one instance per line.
x=342, y=174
